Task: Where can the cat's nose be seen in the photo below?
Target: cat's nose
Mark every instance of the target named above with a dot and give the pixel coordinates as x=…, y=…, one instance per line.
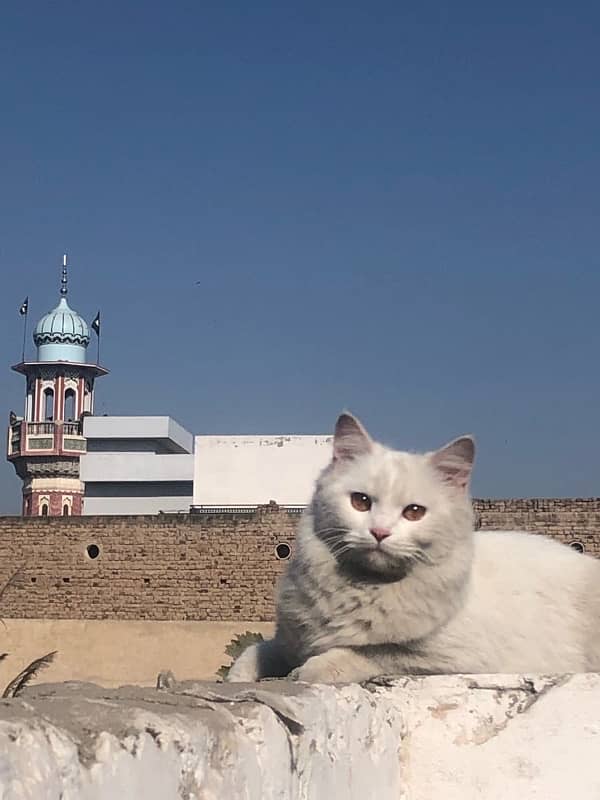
x=380, y=533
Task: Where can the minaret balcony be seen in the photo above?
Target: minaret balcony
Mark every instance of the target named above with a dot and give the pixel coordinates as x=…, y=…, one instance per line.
x=30, y=438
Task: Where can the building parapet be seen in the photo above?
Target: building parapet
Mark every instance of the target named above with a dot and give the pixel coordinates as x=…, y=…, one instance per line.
x=458, y=737
x=34, y=438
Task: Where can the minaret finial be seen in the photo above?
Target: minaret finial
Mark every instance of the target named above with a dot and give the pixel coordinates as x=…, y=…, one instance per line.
x=63, y=280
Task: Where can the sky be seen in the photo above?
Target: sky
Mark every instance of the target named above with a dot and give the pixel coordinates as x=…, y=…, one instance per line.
x=284, y=210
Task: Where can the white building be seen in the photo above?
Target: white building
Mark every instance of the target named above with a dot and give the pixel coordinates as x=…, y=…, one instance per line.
x=149, y=465
x=137, y=465
x=247, y=471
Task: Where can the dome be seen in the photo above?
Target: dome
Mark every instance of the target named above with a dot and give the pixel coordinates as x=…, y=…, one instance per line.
x=62, y=335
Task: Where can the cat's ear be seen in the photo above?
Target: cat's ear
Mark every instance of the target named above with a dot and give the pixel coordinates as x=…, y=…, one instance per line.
x=350, y=438
x=454, y=462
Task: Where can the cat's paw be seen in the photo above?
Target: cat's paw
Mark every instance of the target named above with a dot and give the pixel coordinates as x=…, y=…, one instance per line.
x=334, y=666
x=245, y=669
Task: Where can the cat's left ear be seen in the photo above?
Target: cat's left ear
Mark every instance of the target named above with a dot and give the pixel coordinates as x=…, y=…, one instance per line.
x=454, y=462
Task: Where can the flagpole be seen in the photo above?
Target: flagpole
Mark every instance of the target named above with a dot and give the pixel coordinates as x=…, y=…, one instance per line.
x=96, y=328
x=24, y=337
x=24, y=311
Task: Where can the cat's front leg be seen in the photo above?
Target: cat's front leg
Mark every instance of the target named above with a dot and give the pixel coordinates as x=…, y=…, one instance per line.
x=262, y=660
x=338, y=665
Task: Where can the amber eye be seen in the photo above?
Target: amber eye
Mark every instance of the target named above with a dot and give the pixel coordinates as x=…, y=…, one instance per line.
x=360, y=501
x=414, y=512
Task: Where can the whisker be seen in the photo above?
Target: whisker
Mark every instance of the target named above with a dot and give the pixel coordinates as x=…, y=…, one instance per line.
x=341, y=540
x=330, y=531
x=412, y=554
x=342, y=547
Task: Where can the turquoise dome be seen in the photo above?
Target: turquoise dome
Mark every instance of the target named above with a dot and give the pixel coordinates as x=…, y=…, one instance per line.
x=62, y=335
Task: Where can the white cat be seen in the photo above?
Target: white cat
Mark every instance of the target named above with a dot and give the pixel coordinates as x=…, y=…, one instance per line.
x=388, y=577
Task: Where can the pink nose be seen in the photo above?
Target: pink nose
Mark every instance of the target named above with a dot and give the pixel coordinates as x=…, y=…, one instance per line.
x=380, y=533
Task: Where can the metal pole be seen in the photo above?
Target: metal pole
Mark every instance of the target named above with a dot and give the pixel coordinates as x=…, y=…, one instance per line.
x=26, y=314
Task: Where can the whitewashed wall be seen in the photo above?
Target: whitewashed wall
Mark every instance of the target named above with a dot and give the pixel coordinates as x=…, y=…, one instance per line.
x=474, y=737
x=253, y=470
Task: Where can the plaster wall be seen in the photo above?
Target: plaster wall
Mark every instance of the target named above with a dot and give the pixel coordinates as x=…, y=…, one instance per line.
x=498, y=737
x=115, y=652
x=254, y=470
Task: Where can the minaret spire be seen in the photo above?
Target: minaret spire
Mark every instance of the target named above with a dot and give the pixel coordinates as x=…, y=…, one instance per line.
x=63, y=280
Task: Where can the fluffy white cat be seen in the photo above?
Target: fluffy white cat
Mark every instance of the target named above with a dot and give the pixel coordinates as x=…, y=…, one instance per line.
x=388, y=576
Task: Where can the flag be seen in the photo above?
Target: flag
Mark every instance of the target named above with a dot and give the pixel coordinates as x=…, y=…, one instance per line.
x=96, y=324
x=24, y=307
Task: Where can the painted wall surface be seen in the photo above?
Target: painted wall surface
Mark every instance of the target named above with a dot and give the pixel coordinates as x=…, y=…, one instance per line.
x=135, y=467
x=254, y=470
x=117, y=652
x=162, y=429
x=118, y=504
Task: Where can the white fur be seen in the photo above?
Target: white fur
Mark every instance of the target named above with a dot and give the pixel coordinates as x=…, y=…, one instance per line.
x=431, y=597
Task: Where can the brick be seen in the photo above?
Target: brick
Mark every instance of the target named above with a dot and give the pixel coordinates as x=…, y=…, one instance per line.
x=199, y=567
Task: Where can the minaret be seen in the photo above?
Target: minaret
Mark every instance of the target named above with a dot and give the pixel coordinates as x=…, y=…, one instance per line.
x=45, y=445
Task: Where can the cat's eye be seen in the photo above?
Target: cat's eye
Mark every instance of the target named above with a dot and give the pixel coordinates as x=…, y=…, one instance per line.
x=414, y=512
x=360, y=501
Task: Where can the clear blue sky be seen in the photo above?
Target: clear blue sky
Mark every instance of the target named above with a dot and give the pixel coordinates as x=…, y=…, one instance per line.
x=391, y=207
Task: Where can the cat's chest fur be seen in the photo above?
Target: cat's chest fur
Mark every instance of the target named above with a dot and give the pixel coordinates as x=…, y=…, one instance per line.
x=319, y=616
x=321, y=607
x=358, y=613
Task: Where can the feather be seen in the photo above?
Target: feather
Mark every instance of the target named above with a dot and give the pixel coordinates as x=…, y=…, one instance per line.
x=16, y=686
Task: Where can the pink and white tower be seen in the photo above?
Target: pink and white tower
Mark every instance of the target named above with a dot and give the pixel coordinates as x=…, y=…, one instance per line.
x=45, y=445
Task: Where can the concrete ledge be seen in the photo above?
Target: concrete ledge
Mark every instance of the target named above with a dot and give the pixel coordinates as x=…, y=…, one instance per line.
x=494, y=737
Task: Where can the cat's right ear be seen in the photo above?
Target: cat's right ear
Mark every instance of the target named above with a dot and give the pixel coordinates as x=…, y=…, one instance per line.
x=350, y=438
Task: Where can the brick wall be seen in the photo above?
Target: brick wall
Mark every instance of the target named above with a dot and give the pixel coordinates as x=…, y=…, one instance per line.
x=221, y=567
x=568, y=520
x=184, y=567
